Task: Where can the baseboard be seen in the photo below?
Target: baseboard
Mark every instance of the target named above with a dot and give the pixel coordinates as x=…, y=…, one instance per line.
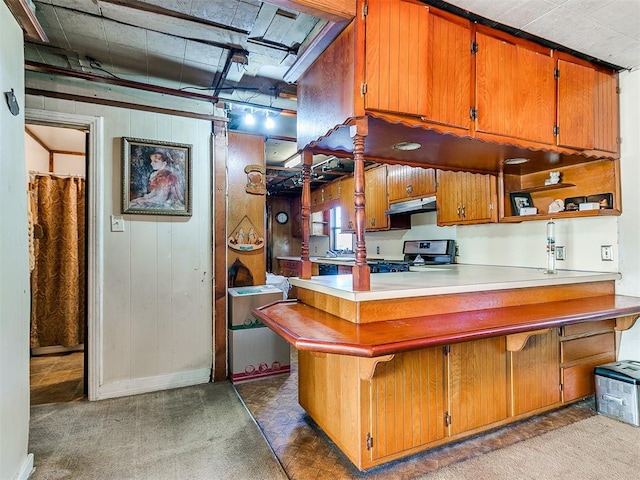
x=55, y=349
x=153, y=384
x=26, y=469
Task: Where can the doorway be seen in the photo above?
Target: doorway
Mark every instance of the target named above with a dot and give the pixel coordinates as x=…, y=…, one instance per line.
x=84, y=358
x=56, y=162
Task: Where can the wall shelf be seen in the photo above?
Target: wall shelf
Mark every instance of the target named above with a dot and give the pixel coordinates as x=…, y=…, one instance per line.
x=560, y=215
x=543, y=188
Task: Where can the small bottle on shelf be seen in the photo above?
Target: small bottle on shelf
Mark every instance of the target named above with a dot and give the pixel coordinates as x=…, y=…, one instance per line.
x=551, y=247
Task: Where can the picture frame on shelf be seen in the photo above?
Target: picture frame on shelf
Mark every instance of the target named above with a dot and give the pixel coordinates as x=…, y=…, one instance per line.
x=604, y=199
x=520, y=200
x=572, y=204
x=156, y=177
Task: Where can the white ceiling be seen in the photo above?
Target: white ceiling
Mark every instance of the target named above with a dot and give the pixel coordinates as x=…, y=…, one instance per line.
x=608, y=30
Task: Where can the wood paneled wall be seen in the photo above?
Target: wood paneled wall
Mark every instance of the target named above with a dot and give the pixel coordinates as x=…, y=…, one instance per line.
x=246, y=150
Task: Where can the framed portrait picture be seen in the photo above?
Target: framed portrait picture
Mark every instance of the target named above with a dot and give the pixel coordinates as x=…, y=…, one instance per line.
x=520, y=200
x=156, y=177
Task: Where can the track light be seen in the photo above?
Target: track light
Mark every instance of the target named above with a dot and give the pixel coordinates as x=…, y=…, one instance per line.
x=268, y=122
x=249, y=118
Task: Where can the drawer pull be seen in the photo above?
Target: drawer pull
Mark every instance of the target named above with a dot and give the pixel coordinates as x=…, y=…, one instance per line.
x=611, y=398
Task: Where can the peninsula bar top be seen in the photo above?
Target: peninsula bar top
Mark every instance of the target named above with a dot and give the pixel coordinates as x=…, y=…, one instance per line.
x=439, y=305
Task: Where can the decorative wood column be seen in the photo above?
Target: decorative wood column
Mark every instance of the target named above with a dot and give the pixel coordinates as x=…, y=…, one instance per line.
x=307, y=160
x=361, y=273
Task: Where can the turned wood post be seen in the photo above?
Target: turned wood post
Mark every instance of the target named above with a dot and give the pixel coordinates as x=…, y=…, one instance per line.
x=361, y=273
x=307, y=160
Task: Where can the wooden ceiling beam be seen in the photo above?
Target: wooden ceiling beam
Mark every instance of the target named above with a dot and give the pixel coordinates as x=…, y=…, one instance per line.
x=332, y=10
x=26, y=18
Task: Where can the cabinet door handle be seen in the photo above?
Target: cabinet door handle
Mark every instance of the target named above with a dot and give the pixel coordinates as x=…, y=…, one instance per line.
x=373, y=222
x=464, y=213
x=458, y=211
x=409, y=189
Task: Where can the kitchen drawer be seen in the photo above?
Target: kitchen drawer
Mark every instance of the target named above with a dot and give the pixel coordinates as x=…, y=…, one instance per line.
x=579, y=381
x=579, y=348
x=588, y=327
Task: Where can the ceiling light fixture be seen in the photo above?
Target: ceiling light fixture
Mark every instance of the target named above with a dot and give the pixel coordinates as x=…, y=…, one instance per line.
x=268, y=122
x=293, y=161
x=515, y=161
x=407, y=146
x=249, y=118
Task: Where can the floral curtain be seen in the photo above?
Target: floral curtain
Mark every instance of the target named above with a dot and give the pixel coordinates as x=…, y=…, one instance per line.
x=58, y=276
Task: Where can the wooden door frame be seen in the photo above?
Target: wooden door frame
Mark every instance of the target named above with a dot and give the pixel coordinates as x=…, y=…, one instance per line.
x=95, y=233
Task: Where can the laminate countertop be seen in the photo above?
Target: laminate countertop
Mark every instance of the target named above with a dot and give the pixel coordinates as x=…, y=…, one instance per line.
x=447, y=279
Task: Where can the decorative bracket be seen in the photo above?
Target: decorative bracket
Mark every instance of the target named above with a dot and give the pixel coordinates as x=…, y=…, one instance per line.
x=517, y=341
x=368, y=365
x=625, y=323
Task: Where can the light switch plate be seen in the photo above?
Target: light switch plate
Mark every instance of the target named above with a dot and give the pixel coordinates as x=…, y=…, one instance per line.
x=117, y=223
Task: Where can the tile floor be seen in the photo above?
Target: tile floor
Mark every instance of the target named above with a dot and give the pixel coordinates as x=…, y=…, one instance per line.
x=57, y=378
x=306, y=452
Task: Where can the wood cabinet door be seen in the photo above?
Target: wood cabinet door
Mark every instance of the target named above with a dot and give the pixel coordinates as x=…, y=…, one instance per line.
x=607, y=108
x=376, y=200
x=331, y=192
x=449, y=201
x=408, y=401
x=405, y=182
x=465, y=198
x=417, y=62
x=478, y=384
x=347, y=205
x=515, y=88
x=576, y=110
x=535, y=373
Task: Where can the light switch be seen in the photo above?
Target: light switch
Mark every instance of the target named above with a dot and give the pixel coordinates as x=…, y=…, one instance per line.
x=117, y=224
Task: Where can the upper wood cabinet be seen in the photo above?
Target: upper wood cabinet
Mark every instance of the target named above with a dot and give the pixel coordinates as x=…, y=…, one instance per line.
x=347, y=205
x=418, y=62
x=405, y=182
x=376, y=201
x=587, y=106
x=515, y=88
x=466, y=198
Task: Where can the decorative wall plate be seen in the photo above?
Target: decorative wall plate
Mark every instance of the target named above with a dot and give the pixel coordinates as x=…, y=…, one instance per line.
x=245, y=237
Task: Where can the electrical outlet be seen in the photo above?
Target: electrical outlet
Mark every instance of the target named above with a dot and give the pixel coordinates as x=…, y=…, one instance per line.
x=606, y=252
x=560, y=252
x=378, y=250
x=315, y=249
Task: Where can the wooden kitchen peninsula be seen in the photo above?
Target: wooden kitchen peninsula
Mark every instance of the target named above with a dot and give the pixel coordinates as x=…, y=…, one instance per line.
x=426, y=358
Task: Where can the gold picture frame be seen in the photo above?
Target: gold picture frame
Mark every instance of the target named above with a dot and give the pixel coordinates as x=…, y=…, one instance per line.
x=156, y=177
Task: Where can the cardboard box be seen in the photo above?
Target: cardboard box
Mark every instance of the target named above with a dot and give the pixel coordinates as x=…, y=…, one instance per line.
x=244, y=299
x=256, y=353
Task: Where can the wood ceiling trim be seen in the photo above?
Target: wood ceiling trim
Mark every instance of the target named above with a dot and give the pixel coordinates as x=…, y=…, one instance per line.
x=36, y=138
x=27, y=20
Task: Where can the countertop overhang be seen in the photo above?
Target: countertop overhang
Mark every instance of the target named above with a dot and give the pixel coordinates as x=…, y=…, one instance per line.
x=309, y=328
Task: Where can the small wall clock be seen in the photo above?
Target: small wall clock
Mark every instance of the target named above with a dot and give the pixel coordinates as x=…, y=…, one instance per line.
x=282, y=218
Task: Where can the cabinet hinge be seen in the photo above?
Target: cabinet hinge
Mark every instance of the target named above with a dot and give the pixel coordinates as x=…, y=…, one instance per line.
x=369, y=441
x=447, y=419
x=556, y=73
x=365, y=10
x=363, y=88
x=556, y=130
x=446, y=349
x=474, y=48
x=473, y=113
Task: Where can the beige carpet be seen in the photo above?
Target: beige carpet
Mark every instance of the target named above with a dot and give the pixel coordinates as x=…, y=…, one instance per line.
x=192, y=433
x=597, y=448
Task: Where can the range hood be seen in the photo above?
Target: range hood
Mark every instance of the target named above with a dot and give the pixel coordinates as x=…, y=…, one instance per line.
x=417, y=205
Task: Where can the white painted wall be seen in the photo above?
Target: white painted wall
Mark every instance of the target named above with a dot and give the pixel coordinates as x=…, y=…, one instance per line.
x=15, y=462
x=629, y=221
x=157, y=285
x=36, y=156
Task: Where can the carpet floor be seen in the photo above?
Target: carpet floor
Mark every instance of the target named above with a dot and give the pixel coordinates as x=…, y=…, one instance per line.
x=200, y=432
x=593, y=449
